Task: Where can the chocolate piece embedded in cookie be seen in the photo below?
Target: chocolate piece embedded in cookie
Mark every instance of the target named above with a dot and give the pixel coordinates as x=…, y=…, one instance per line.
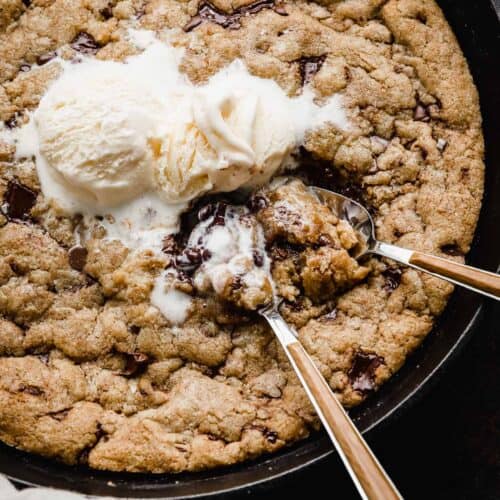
x=362, y=371
x=77, y=257
x=18, y=201
x=309, y=66
x=85, y=43
x=210, y=13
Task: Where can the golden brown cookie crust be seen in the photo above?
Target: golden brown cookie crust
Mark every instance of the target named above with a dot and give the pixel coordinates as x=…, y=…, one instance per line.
x=91, y=373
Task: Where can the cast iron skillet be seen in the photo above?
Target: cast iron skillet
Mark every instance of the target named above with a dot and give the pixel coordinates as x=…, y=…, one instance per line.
x=477, y=28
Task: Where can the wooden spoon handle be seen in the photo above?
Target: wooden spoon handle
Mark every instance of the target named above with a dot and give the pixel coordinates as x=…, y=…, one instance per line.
x=367, y=473
x=474, y=279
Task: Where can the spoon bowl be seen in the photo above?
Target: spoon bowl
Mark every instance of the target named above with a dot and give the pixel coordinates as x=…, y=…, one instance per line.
x=477, y=280
x=355, y=214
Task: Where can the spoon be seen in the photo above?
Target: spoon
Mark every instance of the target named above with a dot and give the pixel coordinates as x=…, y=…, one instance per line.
x=369, y=477
x=477, y=280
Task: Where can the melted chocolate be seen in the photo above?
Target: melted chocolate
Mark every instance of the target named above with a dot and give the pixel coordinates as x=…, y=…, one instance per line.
x=85, y=43
x=362, y=372
x=136, y=362
x=45, y=58
x=321, y=173
x=309, y=66
x=205, y=212
x=392, y=277
x=258, y=258
x=256, y=203
x=210, y=13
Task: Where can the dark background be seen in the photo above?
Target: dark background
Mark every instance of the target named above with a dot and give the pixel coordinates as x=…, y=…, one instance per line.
x=446, y=446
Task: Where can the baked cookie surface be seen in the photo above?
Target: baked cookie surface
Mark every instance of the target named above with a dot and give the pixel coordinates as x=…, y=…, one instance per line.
x=92, y=373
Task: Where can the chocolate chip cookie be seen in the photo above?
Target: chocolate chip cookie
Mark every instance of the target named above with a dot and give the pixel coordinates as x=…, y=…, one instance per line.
x=92, y=372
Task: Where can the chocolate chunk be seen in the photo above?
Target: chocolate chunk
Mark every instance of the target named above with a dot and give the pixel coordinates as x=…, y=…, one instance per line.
x=19, y=200
x=219, y=214
x=12, y=122
x=392, y=277
x=258, y=258
x=136, y=363
x=452, y=250
x=205, y=212
x=309, y=66
x=85, y=43
x=44, y=358
x=189, y=260
x=107, y=12
x=134, y=329
x=77, y=257
x=331, y=316
x=45, y=58
x=193, y=23
x=27, y=3
x=282, y=250
x=256, y=203
x=15, y=268
x=271, y=436
x=362, y=372
x=256, y=7
x=184, y=277
x=193, y=255
x=421, y=113
x=24, y=68
x=464, y=174
x=210, y=13
x=33, y=390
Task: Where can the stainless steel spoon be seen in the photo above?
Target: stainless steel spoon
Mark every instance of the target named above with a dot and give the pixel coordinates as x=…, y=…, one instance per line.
x=477, y=280
x=368, y=475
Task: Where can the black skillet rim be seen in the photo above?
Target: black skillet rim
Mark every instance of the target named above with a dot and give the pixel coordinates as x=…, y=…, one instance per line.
x=477, y=29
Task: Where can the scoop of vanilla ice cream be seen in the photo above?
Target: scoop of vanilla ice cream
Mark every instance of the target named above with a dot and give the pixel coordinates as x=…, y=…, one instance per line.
x=98, y=133
x=238, y=131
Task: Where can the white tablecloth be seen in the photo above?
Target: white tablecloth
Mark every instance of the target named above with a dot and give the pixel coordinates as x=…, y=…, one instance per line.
x=8, y=492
